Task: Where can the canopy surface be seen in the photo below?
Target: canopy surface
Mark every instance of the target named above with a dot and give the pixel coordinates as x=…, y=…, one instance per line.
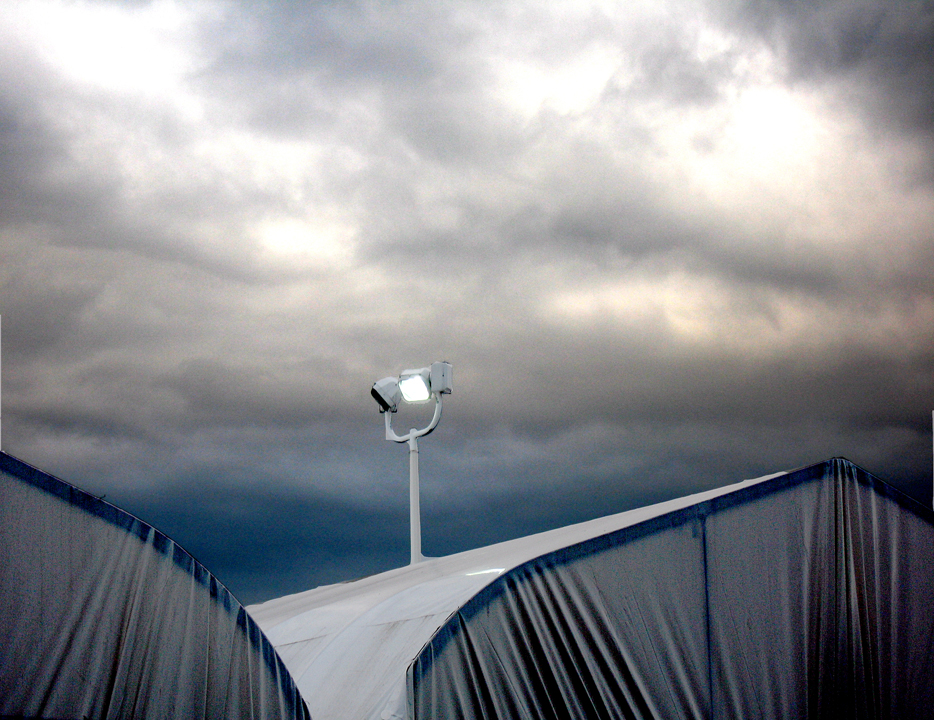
x=799, y=595
x=102, y=616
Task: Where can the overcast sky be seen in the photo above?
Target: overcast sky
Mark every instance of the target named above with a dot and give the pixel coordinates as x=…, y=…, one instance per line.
x=666, y=245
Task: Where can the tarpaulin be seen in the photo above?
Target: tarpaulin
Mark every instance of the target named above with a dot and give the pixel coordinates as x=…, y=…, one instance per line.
x=803, y=594
x=102, y=616
x=349, y=646
x=808, y=595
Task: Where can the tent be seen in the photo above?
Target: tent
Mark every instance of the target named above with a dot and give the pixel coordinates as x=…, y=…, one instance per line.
x=804, y=594
x=102, y=616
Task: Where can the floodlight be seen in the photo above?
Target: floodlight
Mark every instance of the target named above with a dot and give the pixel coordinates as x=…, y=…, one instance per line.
x=386, y=393
x=441, y=378
x=417, y=385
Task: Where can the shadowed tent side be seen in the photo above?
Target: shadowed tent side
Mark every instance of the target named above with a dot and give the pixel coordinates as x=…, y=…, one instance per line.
x=102, y=615
x=804, y=596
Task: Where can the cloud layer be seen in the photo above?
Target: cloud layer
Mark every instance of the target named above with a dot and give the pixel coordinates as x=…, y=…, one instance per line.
x=665, y=245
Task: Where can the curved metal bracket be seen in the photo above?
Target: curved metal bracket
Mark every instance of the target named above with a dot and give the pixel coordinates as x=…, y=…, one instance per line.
x=414, y=433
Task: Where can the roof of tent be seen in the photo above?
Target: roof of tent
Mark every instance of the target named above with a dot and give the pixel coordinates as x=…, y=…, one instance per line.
x=364, y=634
x=806, y=593
x=101, y=615
x=774, y=596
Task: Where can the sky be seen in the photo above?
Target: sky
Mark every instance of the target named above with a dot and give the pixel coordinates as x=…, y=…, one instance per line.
x=665, y=245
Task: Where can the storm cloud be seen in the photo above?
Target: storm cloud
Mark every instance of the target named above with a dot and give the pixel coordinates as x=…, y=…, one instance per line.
x=666, y=246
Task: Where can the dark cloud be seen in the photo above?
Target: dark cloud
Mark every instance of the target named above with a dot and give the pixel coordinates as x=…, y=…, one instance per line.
x=883, y=51
x=663, y=249
x=299, y=540
x=670, y=68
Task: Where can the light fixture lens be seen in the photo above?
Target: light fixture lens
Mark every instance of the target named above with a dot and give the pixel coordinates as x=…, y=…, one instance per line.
x=414, y=388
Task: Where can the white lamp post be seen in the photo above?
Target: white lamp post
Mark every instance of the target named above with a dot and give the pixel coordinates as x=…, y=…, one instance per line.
x=420, y=385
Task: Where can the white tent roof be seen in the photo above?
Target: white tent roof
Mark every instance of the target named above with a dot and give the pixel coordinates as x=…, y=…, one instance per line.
x=348, y=646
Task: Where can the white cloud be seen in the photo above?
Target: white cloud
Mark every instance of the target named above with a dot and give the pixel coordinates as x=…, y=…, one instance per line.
x=145, y=52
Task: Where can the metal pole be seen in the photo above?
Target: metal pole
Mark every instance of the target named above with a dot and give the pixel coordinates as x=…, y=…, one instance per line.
x=415, y=520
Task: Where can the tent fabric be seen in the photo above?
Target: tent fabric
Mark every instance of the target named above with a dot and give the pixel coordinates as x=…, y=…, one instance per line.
x=102, y=616
x=804, y=594
x=348, y=646
x=807, y=596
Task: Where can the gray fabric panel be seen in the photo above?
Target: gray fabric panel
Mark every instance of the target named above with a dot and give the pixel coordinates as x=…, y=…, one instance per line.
x=807, y=596
x=101, y=616
x=839, y=620
x=599, y=635
x=771, y=582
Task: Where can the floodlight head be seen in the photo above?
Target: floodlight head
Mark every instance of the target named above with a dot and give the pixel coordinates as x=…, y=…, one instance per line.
x=441, y=378
x=415, y=385
x=387, y=394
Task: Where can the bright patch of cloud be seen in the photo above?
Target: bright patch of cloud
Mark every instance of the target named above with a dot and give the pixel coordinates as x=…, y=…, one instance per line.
x=108, y=45
x=713, y=315
x=572, y=87
x=114, y=48
x=309, y=240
